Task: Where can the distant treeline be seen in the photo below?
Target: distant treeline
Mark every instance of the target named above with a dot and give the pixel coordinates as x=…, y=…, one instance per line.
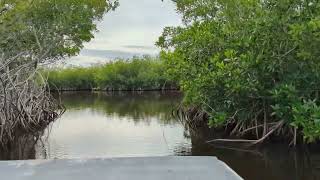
x=136, y=74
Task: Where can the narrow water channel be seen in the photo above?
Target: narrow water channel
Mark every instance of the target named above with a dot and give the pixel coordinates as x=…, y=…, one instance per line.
x=102, y=124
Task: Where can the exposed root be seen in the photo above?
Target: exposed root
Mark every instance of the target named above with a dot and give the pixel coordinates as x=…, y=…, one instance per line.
x=25, y=105
x=232, y=140
x=254, y=142
x=256, y=128
x=192, y=117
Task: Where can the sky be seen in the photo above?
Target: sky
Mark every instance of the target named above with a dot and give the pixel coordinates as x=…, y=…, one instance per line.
x=132, y=29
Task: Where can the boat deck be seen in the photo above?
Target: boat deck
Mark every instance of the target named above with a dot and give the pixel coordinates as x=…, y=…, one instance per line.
x=140, y=168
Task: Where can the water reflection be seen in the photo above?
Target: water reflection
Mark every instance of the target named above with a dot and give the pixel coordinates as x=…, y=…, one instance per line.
x=25, y=147
x=105, y=124
x=133, y=105
x=274, y=161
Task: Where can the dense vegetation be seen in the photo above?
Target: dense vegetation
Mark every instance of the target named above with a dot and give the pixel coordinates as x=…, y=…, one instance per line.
x=252, y=65
x=136, y=74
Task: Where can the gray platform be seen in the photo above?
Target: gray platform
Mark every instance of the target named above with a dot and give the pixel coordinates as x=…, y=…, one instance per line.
x=149, y=168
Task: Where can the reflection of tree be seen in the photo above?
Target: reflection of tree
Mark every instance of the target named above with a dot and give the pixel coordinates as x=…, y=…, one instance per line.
x=273, y=161
x=137, y=106
x=299, y=163
x=22, y=148
x=26, y=146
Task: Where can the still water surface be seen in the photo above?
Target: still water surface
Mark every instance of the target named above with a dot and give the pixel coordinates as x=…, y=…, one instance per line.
x=132, y=124
x=117, y=124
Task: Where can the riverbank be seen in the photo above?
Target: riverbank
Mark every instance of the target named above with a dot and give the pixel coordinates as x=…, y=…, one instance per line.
x=137, y=74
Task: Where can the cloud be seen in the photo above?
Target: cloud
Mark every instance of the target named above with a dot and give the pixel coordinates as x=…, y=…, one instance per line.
x=131, y=30
x=108, y=54
x=89, y=57
x=140, y=47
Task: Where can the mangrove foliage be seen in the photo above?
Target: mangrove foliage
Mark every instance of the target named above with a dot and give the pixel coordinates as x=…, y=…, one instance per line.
x=252, y=65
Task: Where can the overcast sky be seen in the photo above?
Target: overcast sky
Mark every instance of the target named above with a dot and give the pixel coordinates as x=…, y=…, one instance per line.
x=132, y=29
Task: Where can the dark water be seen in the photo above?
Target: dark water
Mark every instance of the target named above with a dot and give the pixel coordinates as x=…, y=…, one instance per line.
x=131, y=124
